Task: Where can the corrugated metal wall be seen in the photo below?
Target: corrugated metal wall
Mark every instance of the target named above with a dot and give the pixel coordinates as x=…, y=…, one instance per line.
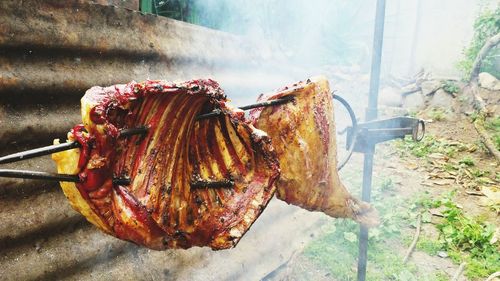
x=50, y=53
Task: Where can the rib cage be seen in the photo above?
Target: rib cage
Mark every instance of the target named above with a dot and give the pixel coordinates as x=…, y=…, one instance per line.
x=159, y=209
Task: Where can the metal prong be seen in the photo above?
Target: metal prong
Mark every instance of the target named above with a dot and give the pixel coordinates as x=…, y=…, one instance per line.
x=7, y=173
x=46, y=150
x=211, y=184
x=194, y=184
x=217, y=112
x=268, y=103
x=23, y=174
x=134, y=131
x=214, y=113
x=121, y=181
x=38, y=152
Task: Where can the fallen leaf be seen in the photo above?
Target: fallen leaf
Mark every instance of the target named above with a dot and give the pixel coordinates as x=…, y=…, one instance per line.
x=411, y=166
x=470, y=185
x=437, y=156
x=468, y=173
x=495, y=237
x=392, y=166
x=442, y=182
x=437, y=211
x=472, y=148
x=485, y=180
x=474, y=192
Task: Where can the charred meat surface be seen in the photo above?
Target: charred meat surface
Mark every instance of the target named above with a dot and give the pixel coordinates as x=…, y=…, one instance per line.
x=303, y=135
x=171, y=201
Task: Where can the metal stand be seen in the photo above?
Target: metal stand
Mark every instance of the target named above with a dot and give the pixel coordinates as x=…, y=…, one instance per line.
x=368, y=134
x=363, y=139
x=371, y=113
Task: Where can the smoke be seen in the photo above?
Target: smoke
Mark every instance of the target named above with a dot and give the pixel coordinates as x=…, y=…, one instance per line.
x=296, y=39
x=307, y=33
x=334, y=38
x=299, y=39
x=319, y=33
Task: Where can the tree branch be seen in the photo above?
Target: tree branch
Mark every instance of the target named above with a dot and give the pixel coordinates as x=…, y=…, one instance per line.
x=491, y=43
x=459, y=272
x=493, y=276
x=479, y=104
x=415, y=239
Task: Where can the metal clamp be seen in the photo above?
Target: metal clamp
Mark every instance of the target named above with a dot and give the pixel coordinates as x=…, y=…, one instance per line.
x=370, y=133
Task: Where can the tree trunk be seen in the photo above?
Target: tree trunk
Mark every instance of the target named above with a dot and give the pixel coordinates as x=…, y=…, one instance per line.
x=491, y=43
x=479, y=104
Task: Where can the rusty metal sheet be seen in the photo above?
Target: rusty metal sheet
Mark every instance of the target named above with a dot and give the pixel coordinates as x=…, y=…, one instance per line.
x=130, y=4
x=50, y=53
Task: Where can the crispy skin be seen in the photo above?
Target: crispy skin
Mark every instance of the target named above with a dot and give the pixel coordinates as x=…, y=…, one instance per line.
x=303, y=135
x=160, y=209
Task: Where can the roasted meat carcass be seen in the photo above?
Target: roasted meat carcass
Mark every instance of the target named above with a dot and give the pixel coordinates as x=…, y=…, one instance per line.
x=303, y=135
x=161, y=207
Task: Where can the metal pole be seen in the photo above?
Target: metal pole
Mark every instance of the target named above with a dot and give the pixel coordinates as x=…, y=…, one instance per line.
x=378, y=38
x=363, y=231
x=416, y=32
x=371, y=114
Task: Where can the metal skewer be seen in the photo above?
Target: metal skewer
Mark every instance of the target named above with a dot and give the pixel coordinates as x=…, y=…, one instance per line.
x=9, y=173
x=38, y=152
x=212, y=184
x=217, y=112
x=46, y=150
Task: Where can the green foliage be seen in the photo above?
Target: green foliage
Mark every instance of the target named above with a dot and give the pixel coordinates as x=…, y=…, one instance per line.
x=175, y=9
x=463, y=233
x=487, y=24
x=465, y=239
x=449, y=167
x=336, y=250
x=467, y=161
x=429, y=246
x=477, y=173
x=428, y=146
x=496, y=140
x=441, y=276
x=450, y=87
x=192, y=11
x=412, y=113
x=437, y=114
x=387, y=185
x=493, y=126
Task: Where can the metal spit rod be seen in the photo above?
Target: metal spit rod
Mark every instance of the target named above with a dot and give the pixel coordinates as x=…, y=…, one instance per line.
x=371, y=114
x=9, y=173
